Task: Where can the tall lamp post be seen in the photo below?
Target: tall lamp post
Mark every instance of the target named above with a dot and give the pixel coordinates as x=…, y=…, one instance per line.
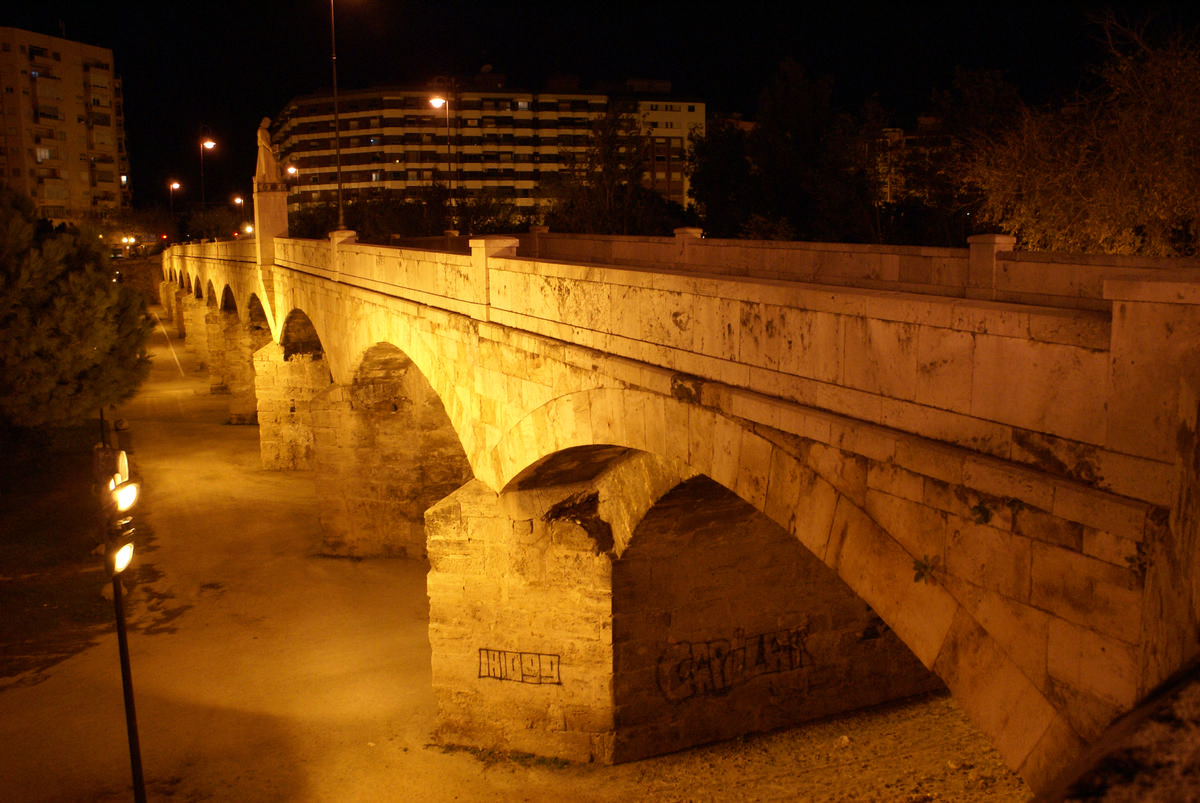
x=206, y=144
x=337, y=132
x=442, y=103
x=174, y=185
x=122, y=493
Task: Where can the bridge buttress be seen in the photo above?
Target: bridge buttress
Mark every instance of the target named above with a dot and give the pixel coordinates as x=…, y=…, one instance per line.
x=384, y=451
x=284, y=390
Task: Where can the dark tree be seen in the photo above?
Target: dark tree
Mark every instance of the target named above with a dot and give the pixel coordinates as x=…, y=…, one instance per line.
x=72, y=339
x=215, y=222
x=604, y=193
x=719, y=181
x=804, y=170
x=1115, y=170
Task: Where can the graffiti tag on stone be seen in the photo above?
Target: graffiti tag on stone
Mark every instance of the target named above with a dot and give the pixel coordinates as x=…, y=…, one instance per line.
x=519, y=667
x=687, y=669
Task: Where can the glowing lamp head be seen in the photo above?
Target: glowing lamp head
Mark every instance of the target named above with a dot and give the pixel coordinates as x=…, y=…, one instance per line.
x=208, y=144
x=122, y=557
x=124, y=493
x=437, y=103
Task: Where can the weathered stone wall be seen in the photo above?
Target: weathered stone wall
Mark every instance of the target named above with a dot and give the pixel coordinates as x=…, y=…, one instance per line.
x=724, y=624
x=219, y=328
x=230, y=347
x=195, y=316
x=183, y=301
x=242, y=340
x=1170, y=559
x=285, y=390
x=520, y=630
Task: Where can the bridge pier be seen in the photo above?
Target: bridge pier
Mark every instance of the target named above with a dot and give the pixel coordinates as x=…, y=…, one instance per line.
x=284, y=389
x=229, y=348
x=183, y=298
x=384, y=451
x=565, y=623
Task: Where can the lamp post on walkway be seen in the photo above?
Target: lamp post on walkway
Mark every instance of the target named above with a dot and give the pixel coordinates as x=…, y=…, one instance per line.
x=206, y=144
x=122, y=493
x=174, y=185
x=444, y=103
x=337, y=134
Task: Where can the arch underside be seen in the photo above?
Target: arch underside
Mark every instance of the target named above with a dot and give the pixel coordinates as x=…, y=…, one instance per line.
x=820, y=496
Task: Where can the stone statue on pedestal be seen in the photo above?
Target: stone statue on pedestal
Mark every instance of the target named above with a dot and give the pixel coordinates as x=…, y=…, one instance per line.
x=267, y=173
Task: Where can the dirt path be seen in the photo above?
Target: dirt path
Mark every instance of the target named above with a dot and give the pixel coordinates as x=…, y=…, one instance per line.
x=264, y=673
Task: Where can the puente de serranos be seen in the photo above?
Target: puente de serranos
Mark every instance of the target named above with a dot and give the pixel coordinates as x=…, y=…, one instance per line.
x=674, y=490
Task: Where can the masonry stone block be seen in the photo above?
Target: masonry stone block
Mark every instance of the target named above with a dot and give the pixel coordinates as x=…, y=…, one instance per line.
x=1022, y=631
x=1093, y=664
x=1087, y=592
x=1076, y=412
x=975, y=668
x=921, y=530
x=881, y=357
x=944, y=363
x=990, y=558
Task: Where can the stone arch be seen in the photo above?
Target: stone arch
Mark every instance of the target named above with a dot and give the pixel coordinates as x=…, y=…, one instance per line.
x=724, y=625
x=385, y=451
x=824, y=508
x=287, y=376
x=228, y=302
x=260, y=321
x=299, y=337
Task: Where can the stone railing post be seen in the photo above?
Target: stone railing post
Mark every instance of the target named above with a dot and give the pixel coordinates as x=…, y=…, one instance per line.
x=684, y=237
x=981, y=266
x=535, y=240
x=337, y=238
x=483, y=249
x=270, y=221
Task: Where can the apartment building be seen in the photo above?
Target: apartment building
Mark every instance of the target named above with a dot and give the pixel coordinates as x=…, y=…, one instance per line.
x=62, y=137
x=475, y=138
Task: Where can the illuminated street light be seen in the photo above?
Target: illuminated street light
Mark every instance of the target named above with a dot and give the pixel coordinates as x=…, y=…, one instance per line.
x=442, y=103
x=439, y=102
x=206, y=144
x=121, y=494
x=337, y=134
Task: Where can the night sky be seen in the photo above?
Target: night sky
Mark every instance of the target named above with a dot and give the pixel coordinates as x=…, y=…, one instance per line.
x=225, y=65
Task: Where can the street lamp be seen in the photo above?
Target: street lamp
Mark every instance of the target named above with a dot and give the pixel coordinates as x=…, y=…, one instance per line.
x=237, y=201
x=442, y=103
x=174, y=185
x=120, y=496
x=337, y=133
x=206, y=144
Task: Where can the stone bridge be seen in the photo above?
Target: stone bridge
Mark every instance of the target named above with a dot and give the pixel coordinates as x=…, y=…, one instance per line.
x=674, y=490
